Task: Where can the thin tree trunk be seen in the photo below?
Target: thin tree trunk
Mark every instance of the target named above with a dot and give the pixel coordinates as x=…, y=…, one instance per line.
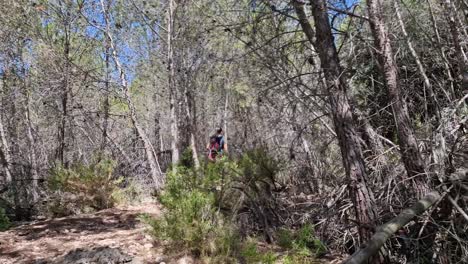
x=64, y=101
x=191, y=132
x=106, y=107
x=348, y=140
x=411, y=155
x=32, y=150
x=171, y=84
x=225, y=116
x=155, y=169
x=5, y=154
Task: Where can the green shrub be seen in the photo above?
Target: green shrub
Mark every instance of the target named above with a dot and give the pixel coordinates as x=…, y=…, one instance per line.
x=191, y=220
x=285, y=238
x=4, y=221
x=201, y=206
x=251, y=253
x=82, y=188
x=130, y=193
x=301, y=244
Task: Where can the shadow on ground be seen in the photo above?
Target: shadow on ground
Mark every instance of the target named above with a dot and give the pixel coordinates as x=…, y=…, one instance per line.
x=52, y=240
x=105, y=221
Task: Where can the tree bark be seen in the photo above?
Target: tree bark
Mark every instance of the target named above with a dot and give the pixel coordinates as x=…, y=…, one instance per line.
x=225, y=117
x=411, y=155
x=32, y=150
x=65, y=91
x=106, y=107
x=342, y=116
x=191, y=130
x=171, y=84
x=5, y=154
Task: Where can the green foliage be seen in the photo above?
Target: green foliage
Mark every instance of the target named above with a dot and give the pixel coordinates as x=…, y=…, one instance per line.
x=4, y=221
x=257, y=164
x=82, y=188
x=252, y=254
x=285, y=238
x=131, y=193
x=250, y=251
x=301, y=244
x=192, y=220
x=194, y=199
x=186, y=159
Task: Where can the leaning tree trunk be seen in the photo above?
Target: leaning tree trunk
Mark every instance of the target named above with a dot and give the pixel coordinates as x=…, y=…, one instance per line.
x=387, y=230
x=411, y=155
x=348, y=139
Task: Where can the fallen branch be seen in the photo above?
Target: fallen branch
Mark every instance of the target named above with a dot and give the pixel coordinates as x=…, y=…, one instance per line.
x=385, y=231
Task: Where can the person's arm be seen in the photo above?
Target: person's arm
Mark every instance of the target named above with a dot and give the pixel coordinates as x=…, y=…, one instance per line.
x=225, y=146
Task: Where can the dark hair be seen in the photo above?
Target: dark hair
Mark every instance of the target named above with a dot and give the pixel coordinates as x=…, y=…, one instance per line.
x=219, y=130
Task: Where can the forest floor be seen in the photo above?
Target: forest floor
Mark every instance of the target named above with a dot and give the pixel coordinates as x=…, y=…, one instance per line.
x=113, y=235
x=61, y=239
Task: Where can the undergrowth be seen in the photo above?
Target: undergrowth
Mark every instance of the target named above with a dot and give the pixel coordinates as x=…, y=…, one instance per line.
x=82, y=188
x=202, y=206
x=191, y=219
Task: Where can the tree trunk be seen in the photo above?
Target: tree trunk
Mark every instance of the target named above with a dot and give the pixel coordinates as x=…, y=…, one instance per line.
x=225, y=117
x=171, y=84
x=348, y=140
x=5, y=154
x=32, y=150
x=191, y=128
x=411, y=156
x=64, y=100
x=106, y=107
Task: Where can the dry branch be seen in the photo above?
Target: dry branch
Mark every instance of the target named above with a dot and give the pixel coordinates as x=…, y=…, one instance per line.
x=385, y=231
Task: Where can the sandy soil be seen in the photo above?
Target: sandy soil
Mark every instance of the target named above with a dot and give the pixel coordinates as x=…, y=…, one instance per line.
x=45, y=241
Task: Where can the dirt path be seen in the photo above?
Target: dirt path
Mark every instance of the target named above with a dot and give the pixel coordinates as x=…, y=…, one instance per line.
x=49, y=240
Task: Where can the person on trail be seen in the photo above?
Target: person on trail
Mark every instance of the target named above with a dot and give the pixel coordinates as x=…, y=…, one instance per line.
x=217, y=145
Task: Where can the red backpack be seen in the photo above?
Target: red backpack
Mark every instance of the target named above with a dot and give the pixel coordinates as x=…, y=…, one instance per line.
x=213, y=149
